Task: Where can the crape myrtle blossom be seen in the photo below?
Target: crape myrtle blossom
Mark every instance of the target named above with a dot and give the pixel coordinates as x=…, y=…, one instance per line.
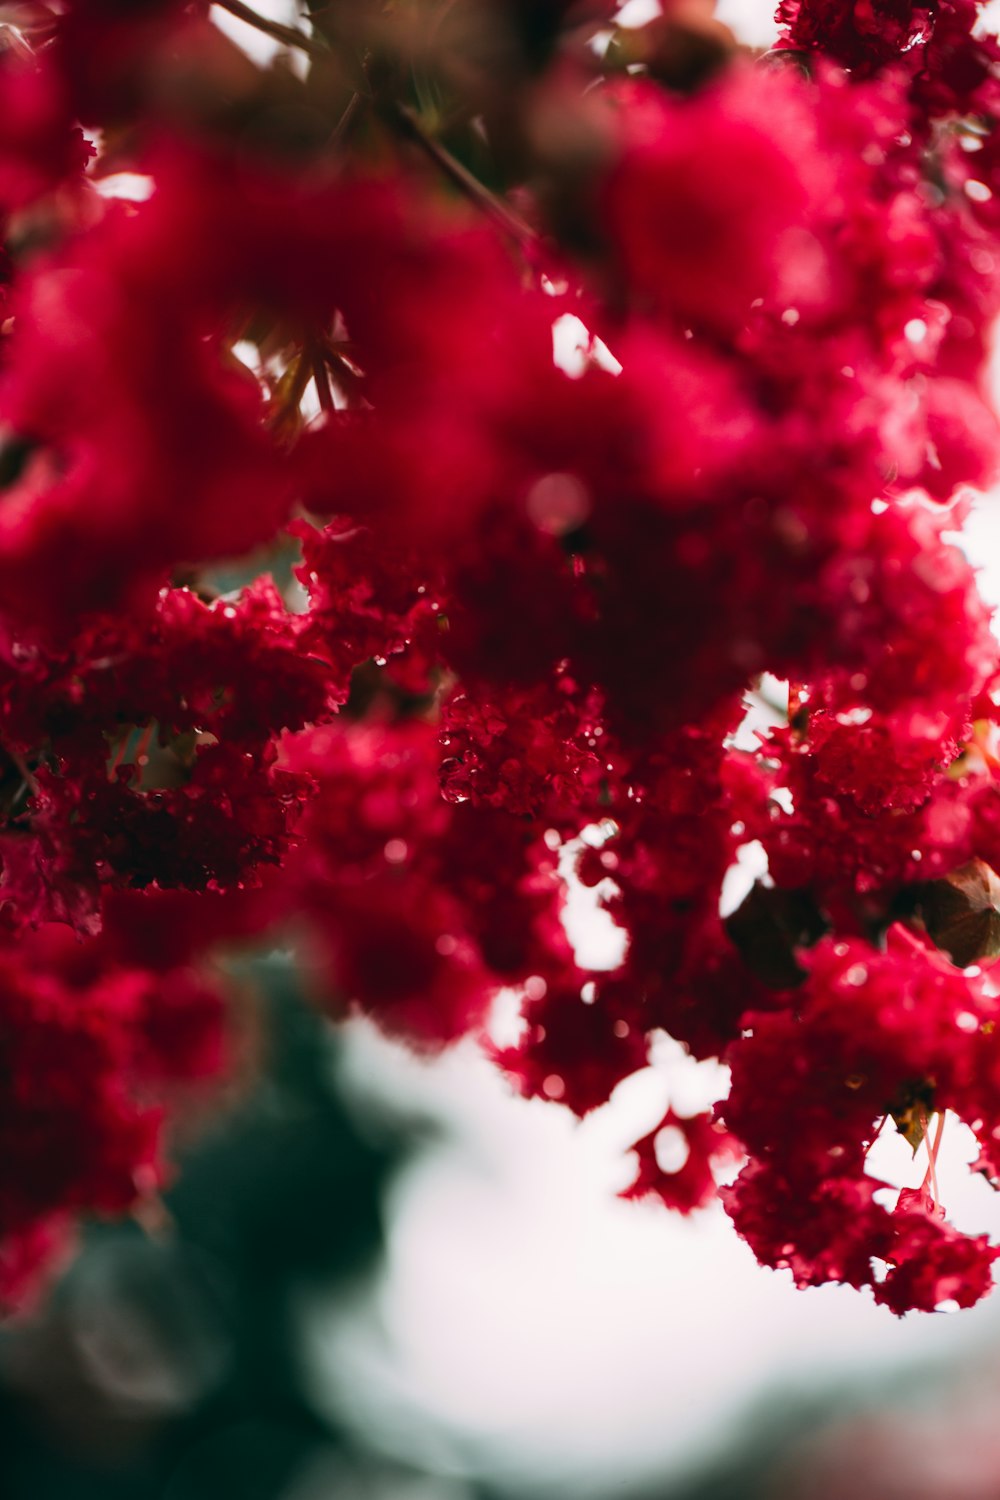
x=335, y=613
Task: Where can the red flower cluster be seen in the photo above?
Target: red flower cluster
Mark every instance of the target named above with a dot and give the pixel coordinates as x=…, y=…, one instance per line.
x=900, y=1032
x=89, y=1043
x=336, y=610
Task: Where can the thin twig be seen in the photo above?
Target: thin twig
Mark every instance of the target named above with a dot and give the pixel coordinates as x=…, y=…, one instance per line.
x=347, y=377
x=321, y=380
x=346, y=120
x=407, y=123
x=402, y=118
x=877, y=1133
x=290, y=35
x=22, y=765
x=119, y=756
x=930, y=1176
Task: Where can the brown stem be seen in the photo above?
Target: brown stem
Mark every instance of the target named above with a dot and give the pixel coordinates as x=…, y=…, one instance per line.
x=119, y=756
x=407, y=124
x=404, y=120
x=321, y=380
x=346, y=120
x=290, y=35
x=877, y=1133
x=27, y=774
x=345, y=372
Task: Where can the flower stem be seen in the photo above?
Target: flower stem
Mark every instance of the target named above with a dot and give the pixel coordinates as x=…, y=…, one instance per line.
x=290, y=35
x=932, y=1151
x=875, y=1134
x=321, y=379
x=406, y=122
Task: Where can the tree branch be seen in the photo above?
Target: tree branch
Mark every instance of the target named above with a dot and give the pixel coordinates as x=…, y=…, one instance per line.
x=290, y=35
x=408, y=125
x=404, y=121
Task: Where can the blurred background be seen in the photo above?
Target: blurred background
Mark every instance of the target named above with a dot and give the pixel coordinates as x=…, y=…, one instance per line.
x=383, y=1278
x=388, y=1278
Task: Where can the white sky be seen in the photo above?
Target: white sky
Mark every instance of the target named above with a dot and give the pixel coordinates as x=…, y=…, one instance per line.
x=532, y=1319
